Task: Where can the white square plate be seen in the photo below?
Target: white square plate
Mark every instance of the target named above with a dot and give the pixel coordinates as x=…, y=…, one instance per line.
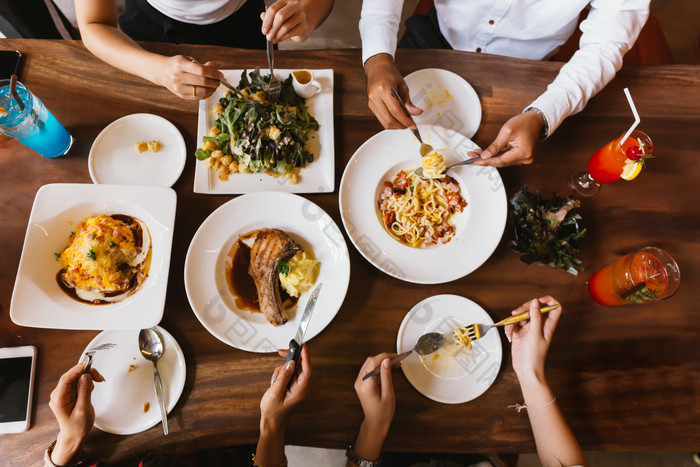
x=316, y=177
x=38, y=301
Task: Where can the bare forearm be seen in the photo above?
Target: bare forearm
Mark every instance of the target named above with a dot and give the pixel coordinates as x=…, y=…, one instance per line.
x=556, y=444
x=270, y=450
x=120, y=51
x=368, y=444
x=65, y=449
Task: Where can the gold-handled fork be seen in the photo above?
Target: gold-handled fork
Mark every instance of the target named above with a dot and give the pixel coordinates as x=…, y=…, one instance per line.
x=478, y=330
x=90, y=353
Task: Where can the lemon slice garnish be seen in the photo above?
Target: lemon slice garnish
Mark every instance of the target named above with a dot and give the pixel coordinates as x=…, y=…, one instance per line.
x=632, y=169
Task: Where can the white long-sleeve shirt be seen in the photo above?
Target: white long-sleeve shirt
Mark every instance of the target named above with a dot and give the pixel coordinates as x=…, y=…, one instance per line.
x=531, y=29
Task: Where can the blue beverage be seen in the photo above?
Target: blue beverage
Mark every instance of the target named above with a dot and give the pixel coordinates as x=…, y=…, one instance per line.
x=35, y=126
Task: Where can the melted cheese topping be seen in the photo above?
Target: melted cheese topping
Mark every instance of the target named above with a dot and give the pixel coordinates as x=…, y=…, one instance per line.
x=101, y=255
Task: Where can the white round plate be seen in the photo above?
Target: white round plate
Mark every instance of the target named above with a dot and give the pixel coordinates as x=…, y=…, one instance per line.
x=452, y=375
x=478, y=228
x=205, y=280
x=447, y=100
x=119, y=400
x=114, y=158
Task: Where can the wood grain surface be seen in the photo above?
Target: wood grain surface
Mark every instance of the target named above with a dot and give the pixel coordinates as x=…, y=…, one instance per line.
x=626, y=378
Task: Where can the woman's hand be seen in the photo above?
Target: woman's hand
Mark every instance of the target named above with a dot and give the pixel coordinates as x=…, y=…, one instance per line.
x=286, y=19
x=531, y=339
x=516, y=141
x=277, y=404
x=278, y=401
x=377, y=395
x=185, y=77
x=70, y=403
x=382, y=75
x=378, y=404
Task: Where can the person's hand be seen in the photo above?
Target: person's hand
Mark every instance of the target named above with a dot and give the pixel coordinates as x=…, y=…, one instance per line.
x=70, y=403
x=516, y=141
x=382, y=75
x=531, y=338
x=377, y=395
x=278, y=401
x=286, y=19
x=186, y=78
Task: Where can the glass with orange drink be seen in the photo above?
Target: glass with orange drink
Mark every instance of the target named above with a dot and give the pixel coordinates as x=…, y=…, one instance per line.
x=617, y=159
x=644, y=275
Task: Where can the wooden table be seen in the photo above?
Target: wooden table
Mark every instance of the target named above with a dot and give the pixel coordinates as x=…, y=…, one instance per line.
x=627, y=378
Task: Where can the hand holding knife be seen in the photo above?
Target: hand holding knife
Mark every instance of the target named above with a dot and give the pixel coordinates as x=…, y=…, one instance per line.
x=296, y=343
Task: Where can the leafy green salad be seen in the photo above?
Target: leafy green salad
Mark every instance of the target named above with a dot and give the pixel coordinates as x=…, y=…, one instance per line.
x=252, y=135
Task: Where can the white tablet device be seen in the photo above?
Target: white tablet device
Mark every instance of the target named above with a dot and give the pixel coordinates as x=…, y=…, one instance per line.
x=16, y=383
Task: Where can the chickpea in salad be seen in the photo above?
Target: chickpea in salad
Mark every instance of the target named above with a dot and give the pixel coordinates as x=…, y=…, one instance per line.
x=254, y=135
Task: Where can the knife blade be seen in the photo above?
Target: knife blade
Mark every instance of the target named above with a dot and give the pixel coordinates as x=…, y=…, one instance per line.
x=296, y=343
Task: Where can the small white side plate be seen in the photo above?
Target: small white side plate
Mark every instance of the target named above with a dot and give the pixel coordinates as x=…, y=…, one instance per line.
x=447, y=100
x=38, y=301
x=119, y=400
x=114, y=159
x=452, y=375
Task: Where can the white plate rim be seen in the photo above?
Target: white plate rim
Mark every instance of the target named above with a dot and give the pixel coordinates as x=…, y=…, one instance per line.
x=485, y=319
x=178, y=166
x=181, y=378
x=326, y=301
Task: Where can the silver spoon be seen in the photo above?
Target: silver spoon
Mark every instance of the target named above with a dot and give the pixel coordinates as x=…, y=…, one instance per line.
x=427, y=344
x=424, y=148
x=419, y=170
x=151, y=347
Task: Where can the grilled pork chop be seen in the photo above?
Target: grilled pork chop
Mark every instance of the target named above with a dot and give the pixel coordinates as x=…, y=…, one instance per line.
x=271, y=245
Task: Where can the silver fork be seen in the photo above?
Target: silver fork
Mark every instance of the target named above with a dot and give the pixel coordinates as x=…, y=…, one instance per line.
x=478, y=330
x=90, y=353
x=274, y=87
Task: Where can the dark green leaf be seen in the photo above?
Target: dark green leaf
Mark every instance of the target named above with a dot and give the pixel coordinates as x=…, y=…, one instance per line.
x=283, y=267
x=546, y=231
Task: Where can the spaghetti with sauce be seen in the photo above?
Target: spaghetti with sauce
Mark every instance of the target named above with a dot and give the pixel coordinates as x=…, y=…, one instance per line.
x=417, y=211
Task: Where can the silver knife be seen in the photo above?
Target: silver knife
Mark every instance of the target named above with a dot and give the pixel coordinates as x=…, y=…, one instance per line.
x=295, y=344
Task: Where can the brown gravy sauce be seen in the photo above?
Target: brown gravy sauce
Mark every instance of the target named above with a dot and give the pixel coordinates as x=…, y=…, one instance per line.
x=241, y=284
x=136, y=281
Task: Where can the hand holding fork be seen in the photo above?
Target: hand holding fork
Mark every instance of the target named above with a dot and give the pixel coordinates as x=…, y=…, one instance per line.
x=90, y=353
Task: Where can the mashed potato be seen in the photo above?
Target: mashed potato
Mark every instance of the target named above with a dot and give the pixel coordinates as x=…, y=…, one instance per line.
x=303, y=271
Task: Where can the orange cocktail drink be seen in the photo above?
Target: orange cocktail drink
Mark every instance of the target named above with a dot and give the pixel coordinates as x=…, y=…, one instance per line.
x=608, y=163
x=617, y=159
x=647, y=274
